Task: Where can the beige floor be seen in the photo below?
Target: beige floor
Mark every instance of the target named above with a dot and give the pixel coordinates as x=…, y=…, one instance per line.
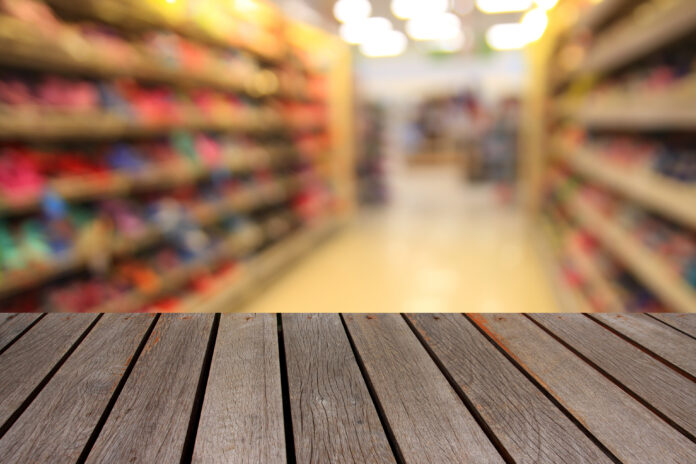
x=439, y=246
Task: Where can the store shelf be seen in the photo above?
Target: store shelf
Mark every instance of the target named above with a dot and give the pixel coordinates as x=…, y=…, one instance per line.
x=569, y=299
x=674, y=199
x=645, y=265
x=254, y=275
x=602, y=288
x=43, y=124
x=138, y=16
x=233, y=247
x=671, y=109
x=616, y=48
x=599, y=13
x=90, y=188
x=39, y=54
x=243, y=201
x=248, y=277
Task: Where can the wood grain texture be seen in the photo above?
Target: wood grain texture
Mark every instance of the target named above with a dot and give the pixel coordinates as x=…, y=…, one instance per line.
x=12, y=325
x=150, y=418
x=58, y=423
x=25, y=364
x=242, y=416
x=529, y=426
x=333, y=417
x=629, y=430
x=428, y=419
x=671, y=345
x=660, y=386
x=684, y=322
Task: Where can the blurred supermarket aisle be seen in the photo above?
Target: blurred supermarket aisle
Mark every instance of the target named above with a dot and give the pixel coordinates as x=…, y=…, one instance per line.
x=440, y=246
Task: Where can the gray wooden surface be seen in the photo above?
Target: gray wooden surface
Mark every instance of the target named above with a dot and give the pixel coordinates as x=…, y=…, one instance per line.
x=25, y=364
x=92, y=373
x=628, y=429
x=366, y=388
x=429, y=421
x=150, y=418
x=334, y=419
x=684, y=322
x=675, y=347
x=11, y=325
x=242, y=417
x=660, y=386
x=530, y=427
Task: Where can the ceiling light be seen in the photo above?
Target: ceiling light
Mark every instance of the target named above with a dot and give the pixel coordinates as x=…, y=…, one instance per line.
x=347, y=11
x=438, y=26
x=507, y=36
x=503, y=6
x=384, y=43
x=407, y=9
x=534, y=23
x=357, y=32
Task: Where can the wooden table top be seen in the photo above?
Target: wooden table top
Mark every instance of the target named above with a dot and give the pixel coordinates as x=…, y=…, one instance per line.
x=317, y=388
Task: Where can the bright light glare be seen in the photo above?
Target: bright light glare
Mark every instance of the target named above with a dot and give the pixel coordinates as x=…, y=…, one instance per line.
x=534, y=23
x=546, y=4
x=503, y=6
x=347, y=11
x=407, y=9
x=442, y=26
x=514, y=36
x=383, y=44
x=508, y=36
x=357, y=32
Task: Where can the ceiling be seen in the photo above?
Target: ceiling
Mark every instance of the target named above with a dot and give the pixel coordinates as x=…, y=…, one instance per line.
x=470, y=16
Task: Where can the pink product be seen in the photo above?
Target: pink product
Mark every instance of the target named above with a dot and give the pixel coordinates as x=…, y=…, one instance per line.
x=628, y=151
x=208, y=150
x=82, y=296
x=52, y=92
x=20, y=176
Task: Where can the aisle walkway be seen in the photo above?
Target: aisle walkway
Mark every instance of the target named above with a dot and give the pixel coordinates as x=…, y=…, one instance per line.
x=439, y=246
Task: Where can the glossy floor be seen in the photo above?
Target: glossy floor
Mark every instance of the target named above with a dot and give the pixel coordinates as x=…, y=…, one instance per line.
x=439, y=246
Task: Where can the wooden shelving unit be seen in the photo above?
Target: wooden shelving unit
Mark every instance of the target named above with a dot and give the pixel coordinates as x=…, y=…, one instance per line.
x=645, y=264
x=240, y=202
x=569, y=299
x=627, y=42
x=253, y=275
x=155, y=177
x=275, y=166
x=611, y=42
x=668, y=197
x=36, y=124
x=670, y=110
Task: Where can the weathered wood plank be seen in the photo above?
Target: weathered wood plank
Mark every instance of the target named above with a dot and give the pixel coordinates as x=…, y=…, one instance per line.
x=684, y=322
x=334, y=419
x=25, y=364
x=428, y=419
x=529, y=426
x=150, y=418
x=673, y=346
x=628, y=429
x=58, y=423
x=664, y=389
x=12, y=324
x=242, y=416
